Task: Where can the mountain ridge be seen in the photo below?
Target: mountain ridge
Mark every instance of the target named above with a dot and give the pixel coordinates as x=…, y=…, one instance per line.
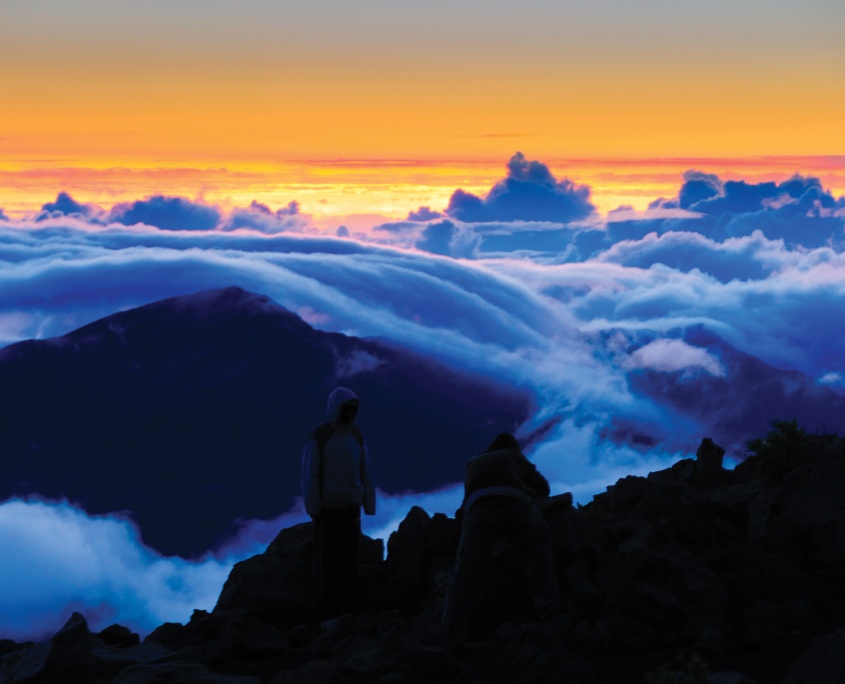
x=191, y=413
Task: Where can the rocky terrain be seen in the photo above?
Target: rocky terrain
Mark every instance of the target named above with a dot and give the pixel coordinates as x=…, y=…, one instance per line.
x=692, y=574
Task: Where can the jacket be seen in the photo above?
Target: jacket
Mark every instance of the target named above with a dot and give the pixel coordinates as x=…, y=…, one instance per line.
x=335, y=465
x=506, y=472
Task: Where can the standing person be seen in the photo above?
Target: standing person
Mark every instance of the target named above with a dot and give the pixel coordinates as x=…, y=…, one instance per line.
x=336, y=483
x=500, y=488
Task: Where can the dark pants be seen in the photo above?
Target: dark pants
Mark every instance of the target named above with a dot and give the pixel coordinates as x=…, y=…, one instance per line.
x=523, y=524
x=336, y=538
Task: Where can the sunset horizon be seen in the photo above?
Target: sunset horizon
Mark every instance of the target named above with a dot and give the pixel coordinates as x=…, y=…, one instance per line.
x=618, y=227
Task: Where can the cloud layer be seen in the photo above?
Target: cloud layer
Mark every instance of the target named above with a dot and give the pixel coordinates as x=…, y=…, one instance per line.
x=527, y=285
x=530, y=192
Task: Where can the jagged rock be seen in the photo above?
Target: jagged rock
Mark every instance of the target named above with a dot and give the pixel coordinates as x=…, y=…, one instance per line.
x=178, y=673
x=245, y=639
x=741, y=566
x=65, y=658
x=823, y=663
x=118, y=635
x=275, y=583
x=24, y=664
x=110, y=659
x=421, y=547
x=9, y=646
x=312, y=672
x=216, y=640
x=728, y=678
x=276, y=586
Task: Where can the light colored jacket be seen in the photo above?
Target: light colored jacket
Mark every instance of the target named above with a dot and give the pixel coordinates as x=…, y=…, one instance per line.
x=338, y=475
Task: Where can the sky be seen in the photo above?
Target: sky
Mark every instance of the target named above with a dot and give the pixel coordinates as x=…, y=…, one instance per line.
x=551, y=193
x=369, y=107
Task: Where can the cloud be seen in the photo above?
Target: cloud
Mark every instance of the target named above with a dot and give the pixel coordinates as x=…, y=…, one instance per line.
x=448, y=239
x=747, y=258
x=260, y=217
x=797, y=210
x=398, y=227
x=672, y=355
x=836, y=379
x=529, y=193
x=65, y=205
x=357, y=362
x=573, y=313
x=424, y=214
x=57, y=559
x=167, y=213
x=532, y=239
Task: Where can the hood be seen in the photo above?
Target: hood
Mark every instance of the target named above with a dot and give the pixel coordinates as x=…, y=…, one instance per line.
x=338, y=397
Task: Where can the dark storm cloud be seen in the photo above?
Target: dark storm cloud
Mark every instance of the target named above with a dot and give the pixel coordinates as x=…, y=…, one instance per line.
x=167, y=213
x=529, y=193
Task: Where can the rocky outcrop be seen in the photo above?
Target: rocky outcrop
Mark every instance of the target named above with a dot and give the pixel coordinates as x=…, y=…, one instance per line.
x=276, y=586
x=694, y=573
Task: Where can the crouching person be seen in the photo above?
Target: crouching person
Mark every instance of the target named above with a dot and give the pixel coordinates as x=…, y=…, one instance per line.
x=500, y=487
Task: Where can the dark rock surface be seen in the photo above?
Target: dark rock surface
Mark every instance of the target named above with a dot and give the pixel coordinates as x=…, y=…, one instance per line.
x=692, y=574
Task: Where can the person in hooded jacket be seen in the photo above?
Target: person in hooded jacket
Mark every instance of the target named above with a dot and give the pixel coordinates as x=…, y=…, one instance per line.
x=500, y=489
x=336, y=484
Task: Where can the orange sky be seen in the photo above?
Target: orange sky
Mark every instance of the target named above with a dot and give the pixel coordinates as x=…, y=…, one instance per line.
x=254, y=99
x=331, y=191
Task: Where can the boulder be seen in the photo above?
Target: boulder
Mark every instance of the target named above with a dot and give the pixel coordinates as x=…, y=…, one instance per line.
x=277, y=586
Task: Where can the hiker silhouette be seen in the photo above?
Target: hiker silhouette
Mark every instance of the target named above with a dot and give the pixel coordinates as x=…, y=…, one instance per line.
x=336, y=484
x=500, y=488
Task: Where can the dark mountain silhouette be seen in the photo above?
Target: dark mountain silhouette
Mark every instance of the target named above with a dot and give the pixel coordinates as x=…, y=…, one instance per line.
x=190, y=413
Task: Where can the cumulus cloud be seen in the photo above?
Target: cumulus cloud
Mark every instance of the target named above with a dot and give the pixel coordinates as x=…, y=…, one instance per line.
x=799, y=210
x=65, y=205
x=167, y=213
x=424, y=214
x=529, y=192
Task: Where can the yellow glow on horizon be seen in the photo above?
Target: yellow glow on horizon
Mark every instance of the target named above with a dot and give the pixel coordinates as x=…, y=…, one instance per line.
x=332, y=191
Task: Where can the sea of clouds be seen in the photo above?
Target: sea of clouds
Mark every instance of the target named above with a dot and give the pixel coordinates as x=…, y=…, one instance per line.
x=527, y=284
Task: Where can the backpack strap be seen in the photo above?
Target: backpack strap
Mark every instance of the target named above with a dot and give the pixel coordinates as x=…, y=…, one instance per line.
x=322, y=434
